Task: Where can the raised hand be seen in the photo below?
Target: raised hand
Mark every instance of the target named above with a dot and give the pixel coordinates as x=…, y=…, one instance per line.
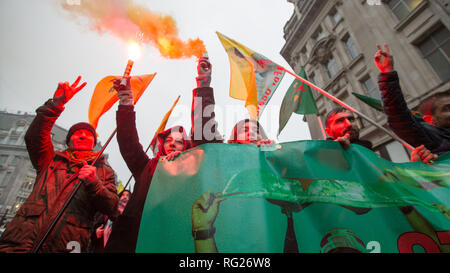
x=65, y=91
x=123, y=87
x=122, y=83
x=344, y=141
x=204, y=68
x=384, y=60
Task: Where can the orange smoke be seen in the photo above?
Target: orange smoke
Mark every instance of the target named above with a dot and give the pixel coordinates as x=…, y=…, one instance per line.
x=130, y=21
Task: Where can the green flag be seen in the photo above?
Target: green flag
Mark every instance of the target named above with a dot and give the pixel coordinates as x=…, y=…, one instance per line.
x=329, y=195
x=298, y=99
x=374, y=103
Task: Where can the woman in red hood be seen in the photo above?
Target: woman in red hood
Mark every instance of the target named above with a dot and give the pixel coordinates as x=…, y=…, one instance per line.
x=169, y=143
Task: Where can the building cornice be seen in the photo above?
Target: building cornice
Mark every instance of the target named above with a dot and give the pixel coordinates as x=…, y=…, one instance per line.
x=295, y=29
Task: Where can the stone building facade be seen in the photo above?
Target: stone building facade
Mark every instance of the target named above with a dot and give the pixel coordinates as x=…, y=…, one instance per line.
x=335, y=41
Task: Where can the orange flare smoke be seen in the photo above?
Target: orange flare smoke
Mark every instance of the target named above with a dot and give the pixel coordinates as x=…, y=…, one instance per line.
x=130, y=21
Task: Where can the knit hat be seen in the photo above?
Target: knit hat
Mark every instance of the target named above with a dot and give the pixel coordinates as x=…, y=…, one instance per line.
x=79, y=126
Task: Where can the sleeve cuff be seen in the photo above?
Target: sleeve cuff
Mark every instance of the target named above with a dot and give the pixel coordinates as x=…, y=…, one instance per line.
x=126, y=108
x=202, y=92
x=390, y=76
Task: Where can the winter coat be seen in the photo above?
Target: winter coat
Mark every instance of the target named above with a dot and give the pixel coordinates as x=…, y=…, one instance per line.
x=403, y=123
x=54, y=183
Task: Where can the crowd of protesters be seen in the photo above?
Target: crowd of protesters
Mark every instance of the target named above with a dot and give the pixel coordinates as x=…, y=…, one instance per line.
x=99, y=219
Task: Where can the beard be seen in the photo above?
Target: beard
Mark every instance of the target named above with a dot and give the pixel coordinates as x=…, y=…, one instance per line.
x=354, y=134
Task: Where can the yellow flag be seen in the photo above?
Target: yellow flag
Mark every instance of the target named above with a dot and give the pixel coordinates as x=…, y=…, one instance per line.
x=253, y=77
x=105, y=95
x=162, y=126
x=120, y=188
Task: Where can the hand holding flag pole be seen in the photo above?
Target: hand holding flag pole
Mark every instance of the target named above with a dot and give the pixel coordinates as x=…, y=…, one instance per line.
x=343, y=104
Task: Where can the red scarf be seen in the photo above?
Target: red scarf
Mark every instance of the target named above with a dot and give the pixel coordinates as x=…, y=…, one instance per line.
x=81, y=156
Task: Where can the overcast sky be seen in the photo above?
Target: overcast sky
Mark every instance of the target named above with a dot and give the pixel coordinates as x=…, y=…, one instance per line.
x=41, y=45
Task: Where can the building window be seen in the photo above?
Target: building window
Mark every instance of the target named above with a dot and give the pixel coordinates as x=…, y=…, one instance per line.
x=401, y=8
x=15, y=160
x=313, y=78
x=3, y=159
x=12, y=141
x=336, y=16
x=371, y=89
x=332, y=68
x=6, y=179
x=436, y=50
x=351, y=47
x=20, y=129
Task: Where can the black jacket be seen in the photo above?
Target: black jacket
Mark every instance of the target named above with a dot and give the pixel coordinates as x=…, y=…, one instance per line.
x=403, y=123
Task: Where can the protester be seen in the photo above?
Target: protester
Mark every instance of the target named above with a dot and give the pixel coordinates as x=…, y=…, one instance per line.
x=104, y=228
x=204, y=126
x=435, y=134
x=58, y=172
x=170, y=143
x=341, y=126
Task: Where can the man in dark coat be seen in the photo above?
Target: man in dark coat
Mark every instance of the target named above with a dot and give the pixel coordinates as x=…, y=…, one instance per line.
x=435, y=134
x=58, y=172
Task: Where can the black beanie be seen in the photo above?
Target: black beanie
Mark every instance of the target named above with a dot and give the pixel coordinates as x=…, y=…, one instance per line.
x=79, y=126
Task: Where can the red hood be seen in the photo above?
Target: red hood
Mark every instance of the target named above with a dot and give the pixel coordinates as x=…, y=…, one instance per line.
x=161, y=137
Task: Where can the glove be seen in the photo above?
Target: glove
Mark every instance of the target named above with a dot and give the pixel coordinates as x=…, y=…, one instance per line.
x=123, y=88
x=204, y=72
x=65, y=92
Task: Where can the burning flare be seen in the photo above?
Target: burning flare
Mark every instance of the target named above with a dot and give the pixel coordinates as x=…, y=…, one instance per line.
x=130, y=21
x=134, y=51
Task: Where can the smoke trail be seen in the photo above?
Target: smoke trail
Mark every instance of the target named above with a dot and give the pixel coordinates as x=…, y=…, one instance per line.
x=130, y=21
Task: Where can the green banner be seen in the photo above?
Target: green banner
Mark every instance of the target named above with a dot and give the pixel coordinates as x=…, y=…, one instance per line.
x=310, y=196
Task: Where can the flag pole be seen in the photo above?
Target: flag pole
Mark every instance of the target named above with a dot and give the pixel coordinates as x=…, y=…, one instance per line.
x=351, y=109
